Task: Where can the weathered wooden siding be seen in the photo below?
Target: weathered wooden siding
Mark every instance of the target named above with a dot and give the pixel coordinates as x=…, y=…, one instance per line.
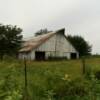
x=57, y=43
x=25, y=55
x=32, y=54
x=56, y=46
x=49, y=45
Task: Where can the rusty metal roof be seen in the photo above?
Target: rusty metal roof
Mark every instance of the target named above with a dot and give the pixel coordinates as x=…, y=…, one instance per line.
x=35, y=42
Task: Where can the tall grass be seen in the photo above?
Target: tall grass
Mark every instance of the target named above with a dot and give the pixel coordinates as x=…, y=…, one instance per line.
x=51, y=79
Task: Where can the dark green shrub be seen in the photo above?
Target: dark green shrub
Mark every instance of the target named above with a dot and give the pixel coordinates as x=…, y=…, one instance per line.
x=10, y=88
x=72, y=89
x=88, y=72
x=97, y=75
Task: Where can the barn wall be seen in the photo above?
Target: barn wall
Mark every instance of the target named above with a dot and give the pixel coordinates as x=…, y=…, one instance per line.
x=77, y=55
x=68, y=55
x=25, y=55
x=21, y=56
x=49, y=45
x=57, y=43
x=57, y=46
x=32, y=53
x=63, y=44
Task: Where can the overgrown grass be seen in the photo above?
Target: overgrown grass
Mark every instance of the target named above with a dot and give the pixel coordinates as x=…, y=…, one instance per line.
x=45, y=77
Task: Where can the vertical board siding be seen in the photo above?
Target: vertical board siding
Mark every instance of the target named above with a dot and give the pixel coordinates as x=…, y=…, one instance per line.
x=56, y=46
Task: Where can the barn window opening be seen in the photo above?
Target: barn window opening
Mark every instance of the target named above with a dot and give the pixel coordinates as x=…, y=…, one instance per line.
x=73, y=55
x=39, y=55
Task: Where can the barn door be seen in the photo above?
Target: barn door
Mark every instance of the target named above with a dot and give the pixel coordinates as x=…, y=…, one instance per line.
x=73, y=55
x=39, y=55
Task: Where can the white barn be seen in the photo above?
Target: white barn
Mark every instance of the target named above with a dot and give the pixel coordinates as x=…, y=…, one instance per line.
x=50, y=45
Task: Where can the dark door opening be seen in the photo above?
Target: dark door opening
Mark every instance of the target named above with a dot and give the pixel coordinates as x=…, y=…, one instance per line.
x=73, y=55
x=39, y=55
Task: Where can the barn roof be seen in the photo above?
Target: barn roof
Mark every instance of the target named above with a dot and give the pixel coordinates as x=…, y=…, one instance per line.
x=37, y=41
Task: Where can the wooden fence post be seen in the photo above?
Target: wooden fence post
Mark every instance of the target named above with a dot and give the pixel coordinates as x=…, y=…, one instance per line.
x=83, y=65
x=25, y=74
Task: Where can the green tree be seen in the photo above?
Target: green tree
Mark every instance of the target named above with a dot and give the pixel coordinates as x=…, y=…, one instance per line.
x=10, y=39
x=81, y=45
x=42, y=31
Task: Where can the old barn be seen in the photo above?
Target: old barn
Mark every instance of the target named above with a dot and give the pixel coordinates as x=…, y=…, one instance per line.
x=50, y=45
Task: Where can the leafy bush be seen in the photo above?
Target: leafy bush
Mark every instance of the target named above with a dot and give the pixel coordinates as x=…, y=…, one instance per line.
x=49, y=81
x=10, y=89
x=71, y=89
x=97, y=75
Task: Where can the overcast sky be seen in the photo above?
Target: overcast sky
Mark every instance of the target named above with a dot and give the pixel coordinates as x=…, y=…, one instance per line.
x=81, y=17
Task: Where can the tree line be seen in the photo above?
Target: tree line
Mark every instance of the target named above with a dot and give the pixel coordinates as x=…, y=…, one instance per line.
x=11, y=40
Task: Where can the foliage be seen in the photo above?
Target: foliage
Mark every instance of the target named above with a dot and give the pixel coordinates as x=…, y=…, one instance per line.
x=10, y=89
x=10, y=39
x=81, y=45
x=49, y=80
x=42, y=31
x=72, y=89
x=97, y=74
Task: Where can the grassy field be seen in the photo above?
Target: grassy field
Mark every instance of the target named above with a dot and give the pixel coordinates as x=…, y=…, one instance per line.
x=44, y=76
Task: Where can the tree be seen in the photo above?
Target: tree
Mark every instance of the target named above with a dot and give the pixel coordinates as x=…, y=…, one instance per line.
x=80, y=44
x=10, y=39
x=42, y=31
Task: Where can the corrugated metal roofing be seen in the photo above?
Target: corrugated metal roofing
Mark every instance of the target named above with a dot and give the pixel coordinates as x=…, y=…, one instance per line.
x=35, y=42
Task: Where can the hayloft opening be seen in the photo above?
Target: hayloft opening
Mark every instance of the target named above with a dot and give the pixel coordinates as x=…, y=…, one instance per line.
x=39, y=55
x=73, y=55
